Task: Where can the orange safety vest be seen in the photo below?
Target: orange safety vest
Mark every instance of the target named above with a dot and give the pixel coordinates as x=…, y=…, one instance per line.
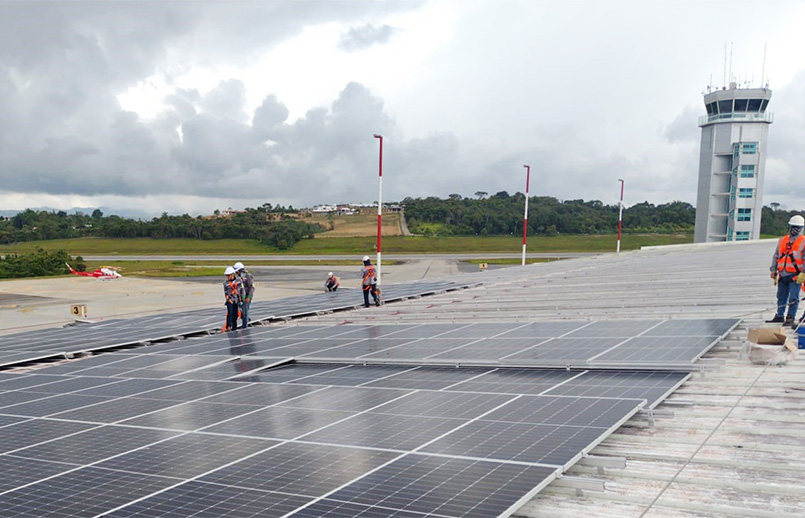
x=789, y=255
x=370, y=274
x=235, y=290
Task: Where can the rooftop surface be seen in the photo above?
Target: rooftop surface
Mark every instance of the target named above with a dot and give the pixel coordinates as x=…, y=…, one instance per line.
x=726, y=443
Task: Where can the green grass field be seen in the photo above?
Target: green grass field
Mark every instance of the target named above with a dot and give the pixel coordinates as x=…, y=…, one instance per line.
x=349, y=245
x=203, y=268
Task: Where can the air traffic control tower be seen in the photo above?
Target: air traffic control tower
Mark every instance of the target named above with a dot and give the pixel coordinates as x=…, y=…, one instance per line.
x=731, y=164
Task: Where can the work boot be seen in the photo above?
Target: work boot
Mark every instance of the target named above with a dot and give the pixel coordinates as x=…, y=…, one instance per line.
x=789, y=321
x=778, y=319
x=366, y=305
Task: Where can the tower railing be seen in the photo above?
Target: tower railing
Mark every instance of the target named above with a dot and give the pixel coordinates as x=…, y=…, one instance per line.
x=736, y=116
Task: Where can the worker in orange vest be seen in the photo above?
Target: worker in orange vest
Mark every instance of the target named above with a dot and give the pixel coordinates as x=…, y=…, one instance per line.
x=788, y=272
x=232, y=292
x=331, y=284
x=369, y=282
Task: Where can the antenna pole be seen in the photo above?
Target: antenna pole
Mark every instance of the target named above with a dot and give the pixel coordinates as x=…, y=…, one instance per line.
x=620, y=218
x=525, y=214
x=763, y=73
x=730, y=77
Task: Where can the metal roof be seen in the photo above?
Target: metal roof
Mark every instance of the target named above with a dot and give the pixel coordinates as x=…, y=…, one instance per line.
x=728, y=443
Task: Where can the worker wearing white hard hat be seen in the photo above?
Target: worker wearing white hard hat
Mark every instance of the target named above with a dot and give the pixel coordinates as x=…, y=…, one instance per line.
x=246, y=291
x=788, y=272
x=233, y=298
x=332, y=283
x=369, y=282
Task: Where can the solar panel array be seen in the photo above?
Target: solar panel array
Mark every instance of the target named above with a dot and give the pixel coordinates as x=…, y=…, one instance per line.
x=91, y=446
x=97, y=336
x=648, y=344
x=442, y=420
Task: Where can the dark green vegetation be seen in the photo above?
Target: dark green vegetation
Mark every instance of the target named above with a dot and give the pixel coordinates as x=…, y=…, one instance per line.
x=38, y=263
x=502, y=214
x=775, y=220
x=272, y=226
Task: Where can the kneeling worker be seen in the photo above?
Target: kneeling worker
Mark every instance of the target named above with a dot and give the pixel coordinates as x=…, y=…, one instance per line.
x=331, y=284
x=787, y=270
x=369, y=282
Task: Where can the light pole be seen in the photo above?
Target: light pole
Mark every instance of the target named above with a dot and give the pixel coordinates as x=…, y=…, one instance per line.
x=620, y=218
x=525, y=216
x=379, y=204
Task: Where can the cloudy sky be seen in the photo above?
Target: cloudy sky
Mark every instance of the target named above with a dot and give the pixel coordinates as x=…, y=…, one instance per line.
x=189, y=106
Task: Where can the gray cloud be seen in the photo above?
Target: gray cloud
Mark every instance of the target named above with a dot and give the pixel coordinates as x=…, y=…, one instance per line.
x=365, y=36
x=484, y=105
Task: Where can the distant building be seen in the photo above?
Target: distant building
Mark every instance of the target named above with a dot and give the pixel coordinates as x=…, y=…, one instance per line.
x=732, y=164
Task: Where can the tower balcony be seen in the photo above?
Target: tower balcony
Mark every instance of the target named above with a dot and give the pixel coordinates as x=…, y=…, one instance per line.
x=766, y=117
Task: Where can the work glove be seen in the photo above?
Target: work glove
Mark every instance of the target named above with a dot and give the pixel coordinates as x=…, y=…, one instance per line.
x=774, y=275
x=800, y=278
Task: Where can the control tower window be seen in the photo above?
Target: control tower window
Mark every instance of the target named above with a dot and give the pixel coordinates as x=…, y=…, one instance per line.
x=725, y=106
x=754, y=105
x=740, y=105
x=763, y=105
x=711, y=109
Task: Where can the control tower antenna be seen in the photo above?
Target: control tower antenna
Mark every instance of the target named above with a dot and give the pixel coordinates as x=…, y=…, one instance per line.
x=730, y=76
x=763, y=73
x=724, y=77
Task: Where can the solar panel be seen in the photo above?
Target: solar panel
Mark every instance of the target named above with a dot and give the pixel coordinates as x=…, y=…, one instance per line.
x=52, y=404
x=85, y=492
x=346, y=398
x=561, y=351
x=312, y=470
x=424, y=377
x=17, y=472
x=614, y=328
x=188, y=455
x=658, y=350
x=35, y=431
x=194, y=499
x=115, y=410
x=190, y=416
x=278, y=422
x=441, y=486
x=444, y=404
x=650, y=386
x=387, y=431
x=93, y=445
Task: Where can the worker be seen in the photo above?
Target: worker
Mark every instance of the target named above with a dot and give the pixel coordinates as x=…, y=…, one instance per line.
x=369, y=282
x=233, y=300
x=787, y=271
x=331, y=284
x=247, y=292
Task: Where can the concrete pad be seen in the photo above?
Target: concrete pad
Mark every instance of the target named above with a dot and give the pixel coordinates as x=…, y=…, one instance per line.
x=34, y=303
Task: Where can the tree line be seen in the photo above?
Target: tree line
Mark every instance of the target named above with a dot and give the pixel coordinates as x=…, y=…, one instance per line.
x=502, y=213
x=273, y=225
x=484, y=215
x=35, y=264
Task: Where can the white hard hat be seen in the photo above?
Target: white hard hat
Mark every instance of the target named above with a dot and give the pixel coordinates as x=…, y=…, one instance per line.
x=239, y=266
x=365, y=257
x=330, y=274
x=229, y=270
x=796, y=221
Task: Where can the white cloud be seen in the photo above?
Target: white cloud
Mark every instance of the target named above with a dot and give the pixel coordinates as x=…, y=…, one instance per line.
x=199, y=101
